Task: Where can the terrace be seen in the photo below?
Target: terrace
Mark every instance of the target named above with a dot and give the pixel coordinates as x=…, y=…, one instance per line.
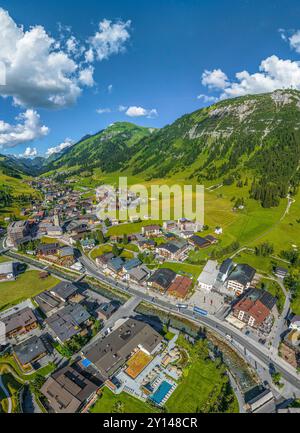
x=142, y=377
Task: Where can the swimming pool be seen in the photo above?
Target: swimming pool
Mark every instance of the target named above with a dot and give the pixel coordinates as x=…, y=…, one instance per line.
x=161, y=392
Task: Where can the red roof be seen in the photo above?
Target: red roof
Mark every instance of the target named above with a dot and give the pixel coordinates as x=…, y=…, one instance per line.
x=254, y=308
x=180, y=287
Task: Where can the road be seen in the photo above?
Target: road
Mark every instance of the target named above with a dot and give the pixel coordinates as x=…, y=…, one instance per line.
x=9, y=410
x=264, y=355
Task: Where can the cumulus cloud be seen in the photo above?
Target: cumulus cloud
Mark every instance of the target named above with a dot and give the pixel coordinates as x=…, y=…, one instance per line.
x=30, y=152
x=26, y=130
x=215, y=79
x=103, y=110
x=141, y=112
x=207, y=98
x=64, y=145
x=37, y=74
x=86, y=76
x=109, y=40
x=294, y=41
x=122, y=108
x=44, y=72
x=274, y=73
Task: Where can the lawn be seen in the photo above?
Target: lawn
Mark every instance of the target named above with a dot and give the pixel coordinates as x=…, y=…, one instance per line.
x=108, y=402
x=26, y=286
x=4, y=259
x=9, y=362
x=107, y=248
x=187, y=269
x=127, y=229
x=263, y=265
x=202, y=385
x=13, y=387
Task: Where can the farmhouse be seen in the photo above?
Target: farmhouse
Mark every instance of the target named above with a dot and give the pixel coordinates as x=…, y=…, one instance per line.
x=68, y=390
x=180, y=287
x=20, y=322
x=68, y=321
x=30, y=351
x=162, y=279
x=64, y=291
x=152, y=230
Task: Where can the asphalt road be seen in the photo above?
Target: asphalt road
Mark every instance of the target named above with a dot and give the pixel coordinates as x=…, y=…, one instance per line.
x=268, y=358
x=265, y=356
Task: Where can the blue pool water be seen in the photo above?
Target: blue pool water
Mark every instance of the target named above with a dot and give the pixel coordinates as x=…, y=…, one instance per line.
x=161, y=392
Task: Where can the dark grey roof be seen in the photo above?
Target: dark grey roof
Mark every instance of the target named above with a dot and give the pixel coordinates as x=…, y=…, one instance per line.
x=67, y=389
x=29, y=350
x=44, y=248
x=20, y=319
x=163, y=277
x=67, y=321
x=47, y=302
x=64, y=290
x=169, y=247
x=110, y=353
x=199, y=241
x=225, y=266
x=243, y=274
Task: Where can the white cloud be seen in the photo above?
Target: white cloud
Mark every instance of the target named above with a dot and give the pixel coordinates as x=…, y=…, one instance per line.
x=37, y=74
x=86, y=76
x=30, y=152
x=274, y=73
x=44, y=72
x=109, y=40
x=294, y=41
x=28, y=129
x=141, y=112
x=64, y=145
x=103, y=110
x=122, y=108
x=215, y=79
x=110, y=88
x=207, y=98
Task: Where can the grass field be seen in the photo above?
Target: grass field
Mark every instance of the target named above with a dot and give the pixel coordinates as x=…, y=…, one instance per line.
x=192, y=271
x=108, y=402
x=201, y=384
x=13, y=387
x=107, y=248
x=26, y=286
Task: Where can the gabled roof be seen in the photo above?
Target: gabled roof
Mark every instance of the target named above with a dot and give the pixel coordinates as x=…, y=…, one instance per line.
x=67, y=389
x=67, y=321
x=131, y=264
x=243, y=273
x=29, y=350
x=64, y=290
x=163, y=277
x=226, y=266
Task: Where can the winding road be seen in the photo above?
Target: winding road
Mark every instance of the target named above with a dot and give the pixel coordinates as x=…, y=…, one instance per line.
x=9, y=409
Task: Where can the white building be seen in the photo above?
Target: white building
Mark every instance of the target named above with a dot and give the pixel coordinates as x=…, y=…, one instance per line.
x=209, y=275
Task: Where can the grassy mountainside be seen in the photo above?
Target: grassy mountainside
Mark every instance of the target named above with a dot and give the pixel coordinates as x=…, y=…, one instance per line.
x=110, y=150
x=255, y=136
x=14, y=191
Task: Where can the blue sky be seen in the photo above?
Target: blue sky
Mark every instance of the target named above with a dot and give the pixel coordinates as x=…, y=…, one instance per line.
x=155, y=68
